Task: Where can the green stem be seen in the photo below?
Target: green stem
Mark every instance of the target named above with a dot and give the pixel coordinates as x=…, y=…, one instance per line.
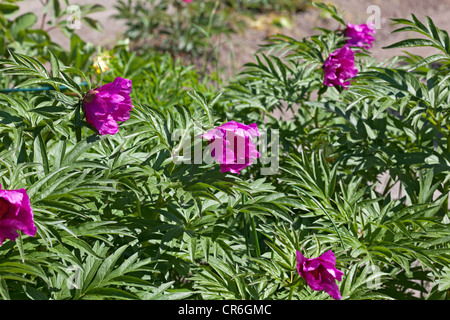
x=448, y=144
x=255, y=236
x=78, y=122
x=316, y=117
x=138, y=206
x=291, y=292
x=446, y=191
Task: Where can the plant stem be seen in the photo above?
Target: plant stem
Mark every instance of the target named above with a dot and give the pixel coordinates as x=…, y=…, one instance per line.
x=291, y=292
x=43, y=21
x=255, y=236
x=316, y=116
x=78, y=122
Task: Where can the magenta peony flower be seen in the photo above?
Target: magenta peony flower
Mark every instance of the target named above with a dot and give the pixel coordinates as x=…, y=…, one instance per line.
x=108, y=104
x=339, y=67
x=320, y=273
x=360, y=35
x=232, y=145
x=15, y=214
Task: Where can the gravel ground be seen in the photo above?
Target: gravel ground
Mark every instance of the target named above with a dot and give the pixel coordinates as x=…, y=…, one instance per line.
x=303, y=24
x=356, y=12
x=112, y=28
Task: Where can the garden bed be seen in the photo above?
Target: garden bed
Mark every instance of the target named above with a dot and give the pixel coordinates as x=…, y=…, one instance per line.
x=154, y=167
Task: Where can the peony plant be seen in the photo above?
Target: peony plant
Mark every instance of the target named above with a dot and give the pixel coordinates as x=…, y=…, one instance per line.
x=107, y=105
x=110, y=216
x=360, y=35
x=16, y=214
x=339, y=68
x=320, y=273
x=232, y=145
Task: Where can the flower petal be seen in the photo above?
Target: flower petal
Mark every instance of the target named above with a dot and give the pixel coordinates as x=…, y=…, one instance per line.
x=110, y=103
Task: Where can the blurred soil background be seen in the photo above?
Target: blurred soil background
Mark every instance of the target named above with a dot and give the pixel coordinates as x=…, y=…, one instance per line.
x=241, y=47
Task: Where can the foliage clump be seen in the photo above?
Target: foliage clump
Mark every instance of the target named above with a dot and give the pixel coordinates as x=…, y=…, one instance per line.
x=131, y=215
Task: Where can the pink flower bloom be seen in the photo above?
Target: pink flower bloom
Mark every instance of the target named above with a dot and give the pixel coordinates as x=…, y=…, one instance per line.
x=187, y=1
x=15, y=214
x=360, y=35
x=320, y=273
x=339, y=67
x=108, y=104
x=232, y=145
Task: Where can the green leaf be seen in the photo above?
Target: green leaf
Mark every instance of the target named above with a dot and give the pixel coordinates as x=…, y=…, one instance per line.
x=109, y=293
x=8, y=8
x=80, y=148
x=409, y=43
x=55, y=64
x=23, y=22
